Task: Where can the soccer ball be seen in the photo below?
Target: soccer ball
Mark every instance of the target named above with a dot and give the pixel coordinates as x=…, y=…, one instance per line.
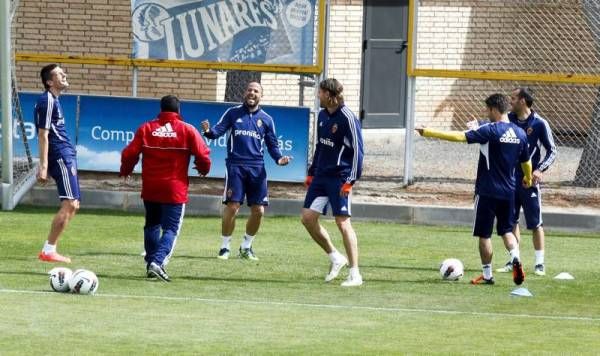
x=451, y=269
x=83, y=282
x=59, y=279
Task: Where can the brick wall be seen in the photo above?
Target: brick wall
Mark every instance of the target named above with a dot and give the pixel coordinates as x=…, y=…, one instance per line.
x=96, y=28
x=468, y=35
x=516, y=36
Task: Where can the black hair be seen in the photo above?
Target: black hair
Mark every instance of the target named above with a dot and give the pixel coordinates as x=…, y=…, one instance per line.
x=499, y=102
x=46, y=74
x=527, y=94
x=169, y=103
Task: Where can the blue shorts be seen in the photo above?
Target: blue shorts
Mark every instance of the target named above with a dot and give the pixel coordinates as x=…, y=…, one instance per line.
x=488, y=208
x=326, y=190
x=248, y=181
x=531, y=201
x=64, y=172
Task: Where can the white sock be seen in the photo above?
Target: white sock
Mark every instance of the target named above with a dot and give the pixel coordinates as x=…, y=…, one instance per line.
x=514, y=253
x=353, y=271
x=48, y=248
x=226, y=241
x=247, y=241
x=335, y=257
x=487, y=271
x=539, y=257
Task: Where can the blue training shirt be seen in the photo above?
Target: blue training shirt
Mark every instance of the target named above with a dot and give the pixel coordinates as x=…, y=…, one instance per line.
x=48, y=115
x=246, y=133
x=503, y=146
x=339, y=146
x=538, y=134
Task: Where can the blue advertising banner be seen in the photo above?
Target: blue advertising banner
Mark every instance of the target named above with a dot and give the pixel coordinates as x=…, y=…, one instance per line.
x=28, y=100
x=108, y=124
x=239, y=31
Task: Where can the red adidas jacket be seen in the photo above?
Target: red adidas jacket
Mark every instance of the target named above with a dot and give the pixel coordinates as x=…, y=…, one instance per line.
x=166, y=144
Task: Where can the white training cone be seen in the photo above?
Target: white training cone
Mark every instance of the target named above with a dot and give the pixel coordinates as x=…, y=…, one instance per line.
x=564, y=276
x=521, y=292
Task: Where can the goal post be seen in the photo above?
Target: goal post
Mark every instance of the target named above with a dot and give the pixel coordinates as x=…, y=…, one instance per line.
x=18, y=169
x=6, y=105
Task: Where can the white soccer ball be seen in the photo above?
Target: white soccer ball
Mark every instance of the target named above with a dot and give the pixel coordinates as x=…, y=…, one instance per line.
x=59, y=279
x=451, y=269
x=83, y=282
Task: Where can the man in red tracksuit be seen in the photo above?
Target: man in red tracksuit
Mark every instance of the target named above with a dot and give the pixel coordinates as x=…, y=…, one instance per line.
x=166, y=144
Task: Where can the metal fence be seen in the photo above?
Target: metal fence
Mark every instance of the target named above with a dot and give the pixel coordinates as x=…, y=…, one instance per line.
x=470, y=49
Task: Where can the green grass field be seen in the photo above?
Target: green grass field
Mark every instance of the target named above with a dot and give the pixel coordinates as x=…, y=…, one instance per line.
x=281, y=304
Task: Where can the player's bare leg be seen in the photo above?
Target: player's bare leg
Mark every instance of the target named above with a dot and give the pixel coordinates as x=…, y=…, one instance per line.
x=512, y=245
x=310, y=220
x=228, y=221
x=227, y=227
x=485, y=253
x=68, y=209
x=538, y=245
x=350, y=241
x=252, y=226
x=517, y=233
x=508, y=266
x=253, y=223
x=351, y=245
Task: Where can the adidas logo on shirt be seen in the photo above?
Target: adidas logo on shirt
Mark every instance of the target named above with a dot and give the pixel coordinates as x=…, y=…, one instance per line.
x=165, y=131
x=510, y=137
x=239, y=120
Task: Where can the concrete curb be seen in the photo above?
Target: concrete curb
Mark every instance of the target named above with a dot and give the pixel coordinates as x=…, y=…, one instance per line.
x=406, y=214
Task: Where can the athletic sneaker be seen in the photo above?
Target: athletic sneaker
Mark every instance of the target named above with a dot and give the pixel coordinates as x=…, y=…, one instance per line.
x=148, y=273
x=518, y=273
x=53, y=257
x=223, y=254
x=507, y=268
x=481, y=280
x=158, y=272
x=539, y=270
x=247, y=254
x=335, y=269
x=353, y=281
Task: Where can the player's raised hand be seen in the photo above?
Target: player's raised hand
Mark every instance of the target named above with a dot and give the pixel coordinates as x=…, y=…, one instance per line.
x=205, y=125
x=284, y=160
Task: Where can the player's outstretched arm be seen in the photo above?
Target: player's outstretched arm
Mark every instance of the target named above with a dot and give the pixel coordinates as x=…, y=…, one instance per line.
x=454, y=136
x=219, y=129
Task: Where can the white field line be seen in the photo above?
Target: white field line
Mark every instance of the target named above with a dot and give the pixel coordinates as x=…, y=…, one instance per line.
x=324, y=306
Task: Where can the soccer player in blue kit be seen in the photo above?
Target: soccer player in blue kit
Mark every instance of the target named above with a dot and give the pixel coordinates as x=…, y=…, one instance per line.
x=58, y=157
x=247, y=127
x=539, y=135
x=336, y=166
x=503, y=145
